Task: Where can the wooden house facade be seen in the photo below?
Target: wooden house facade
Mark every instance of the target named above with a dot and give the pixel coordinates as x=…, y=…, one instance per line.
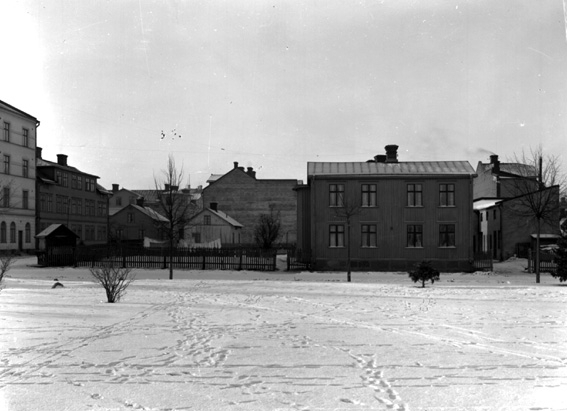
x=402, y=213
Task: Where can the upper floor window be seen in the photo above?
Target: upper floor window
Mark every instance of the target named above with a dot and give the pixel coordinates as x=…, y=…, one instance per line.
x=368, y=195
x=6, y=164
x=65, y=181
x=25, y=199
x=118, y=201
x=25, y=168
x=25, y=138
x=58, y=178
x=415, y=195
x=368, y=235
x=207, y=220
x=6, y=131
x=415, y=235
x=446, y=235
x=336, y=195
x=447, y=195
x=130, y=217
x=336, y=235
x=6, y=197
x=89, y=184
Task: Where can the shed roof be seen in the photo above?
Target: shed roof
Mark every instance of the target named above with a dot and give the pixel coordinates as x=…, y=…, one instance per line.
x=53, y=229
x=414, y=168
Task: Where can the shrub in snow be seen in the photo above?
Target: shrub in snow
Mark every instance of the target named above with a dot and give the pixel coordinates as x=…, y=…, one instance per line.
x=5, y=263
x=423, y=272
x=561, y=260
x=114, y=280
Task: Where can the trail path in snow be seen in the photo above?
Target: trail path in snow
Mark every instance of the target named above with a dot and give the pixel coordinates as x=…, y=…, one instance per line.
x=267, y=345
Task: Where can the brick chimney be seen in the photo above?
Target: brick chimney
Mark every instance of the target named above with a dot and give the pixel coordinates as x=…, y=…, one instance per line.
x=140, y=201
x=391, y=153
x=380, y=158
x=115, y=188
x=214, y=206
x=38, y=152
x=250, y=171
x=62, y=159
x=495, y=163
x=236, y=164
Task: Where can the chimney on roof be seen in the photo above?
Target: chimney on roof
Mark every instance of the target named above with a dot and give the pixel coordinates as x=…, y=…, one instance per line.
x=495, y=163
x=166, y=187
x=250, y=171
x=236, y=164
x=38, y=152
x=380, y=158
x=140, y=201
x=62, y=159
x=115, y=188
x=391, y=153
x=214, y=206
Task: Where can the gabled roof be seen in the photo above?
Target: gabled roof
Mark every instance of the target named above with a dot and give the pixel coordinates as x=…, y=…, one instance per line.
x=511, y=169
x=484, y=203
x=17, y=110
x=221, y=215
x=413, y=168
x=45, y=163
x=54, y=229
x=154, y=215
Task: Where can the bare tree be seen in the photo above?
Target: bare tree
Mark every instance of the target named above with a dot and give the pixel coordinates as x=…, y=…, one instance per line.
x=536, y=195
x=346, y=212
x=174, y=205
x=114, y=280
x=268, y=229
x=6, y=261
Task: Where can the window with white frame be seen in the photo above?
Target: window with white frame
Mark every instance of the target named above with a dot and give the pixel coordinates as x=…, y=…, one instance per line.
x=415, y=195
x=368, y=235
x=336, y=195
x=336, y=235
x=368, y=195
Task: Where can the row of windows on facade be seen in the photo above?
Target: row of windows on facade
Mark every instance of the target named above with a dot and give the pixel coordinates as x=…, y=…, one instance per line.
x=12, y=239
x=7, y=200
x=369, y=195
x=25, y=166
x=7, y=134
x=62, y=178
x=369, y=235
x=72, y=205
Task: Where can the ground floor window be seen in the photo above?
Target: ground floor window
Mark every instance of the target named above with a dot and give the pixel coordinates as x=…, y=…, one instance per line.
x=336, y=235
x=12, y=232
x=2, y=232
x=446, y=235
x=415, y=235
x=368, y=235
x=28, y=233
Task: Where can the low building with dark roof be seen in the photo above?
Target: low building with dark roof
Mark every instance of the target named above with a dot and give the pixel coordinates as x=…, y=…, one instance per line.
x=134, y=223
x=401, y=213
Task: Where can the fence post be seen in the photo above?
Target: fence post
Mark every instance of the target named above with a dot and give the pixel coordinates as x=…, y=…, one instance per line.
x=204, y=261
x=530, y=268
x=239, y=259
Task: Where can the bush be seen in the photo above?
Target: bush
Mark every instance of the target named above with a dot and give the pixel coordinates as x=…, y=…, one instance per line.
x=114, y=280
x=5, y=263
x=423, y=272
x=561, y=260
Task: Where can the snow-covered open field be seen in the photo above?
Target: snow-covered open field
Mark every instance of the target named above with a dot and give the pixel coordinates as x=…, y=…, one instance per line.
x=223, y=340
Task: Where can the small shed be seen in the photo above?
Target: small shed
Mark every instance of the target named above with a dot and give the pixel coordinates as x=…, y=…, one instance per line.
x=56, y=235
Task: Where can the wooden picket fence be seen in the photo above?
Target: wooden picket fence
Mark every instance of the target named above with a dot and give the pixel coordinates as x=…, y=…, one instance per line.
x=546, y=262
x=182, y=258
x=483, y=262
x=298, y=259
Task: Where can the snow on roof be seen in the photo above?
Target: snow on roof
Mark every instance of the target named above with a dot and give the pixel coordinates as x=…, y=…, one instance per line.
x=485, y=203
x=416, y=168
x=226, y=217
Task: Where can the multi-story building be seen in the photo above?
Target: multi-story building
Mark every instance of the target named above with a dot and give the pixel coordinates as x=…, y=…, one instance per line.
x=17, y=178
x=71, y=197
x=244, y=198
x=390, y=214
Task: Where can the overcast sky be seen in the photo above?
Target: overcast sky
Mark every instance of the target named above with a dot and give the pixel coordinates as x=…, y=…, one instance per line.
x=275, y=84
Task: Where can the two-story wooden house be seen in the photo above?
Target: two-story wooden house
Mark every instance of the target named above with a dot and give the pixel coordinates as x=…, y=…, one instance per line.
x=71, y=197
x=401, y=213
x=18, y=136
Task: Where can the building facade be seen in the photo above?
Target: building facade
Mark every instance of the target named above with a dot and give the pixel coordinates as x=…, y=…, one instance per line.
x=244, y=198
x=17, y=179
x=390, y=214
x=212, y=226
x=71, y=197
x=136, y=223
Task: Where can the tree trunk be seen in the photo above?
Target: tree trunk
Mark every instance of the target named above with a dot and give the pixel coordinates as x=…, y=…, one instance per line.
x=348, y=252
x=537, y=256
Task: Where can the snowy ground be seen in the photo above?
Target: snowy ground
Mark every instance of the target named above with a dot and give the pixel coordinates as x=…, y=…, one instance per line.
x=283, y=341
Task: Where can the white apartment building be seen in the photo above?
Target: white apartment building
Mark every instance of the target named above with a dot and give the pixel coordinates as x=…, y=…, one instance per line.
x=18, y=138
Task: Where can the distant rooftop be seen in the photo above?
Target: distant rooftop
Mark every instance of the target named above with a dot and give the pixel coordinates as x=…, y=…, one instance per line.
x=397, y=168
